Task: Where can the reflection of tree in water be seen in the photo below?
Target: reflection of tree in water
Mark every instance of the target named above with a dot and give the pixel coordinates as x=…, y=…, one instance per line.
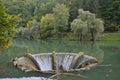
x=47, y=46
x=1, y=70
x=93, y=49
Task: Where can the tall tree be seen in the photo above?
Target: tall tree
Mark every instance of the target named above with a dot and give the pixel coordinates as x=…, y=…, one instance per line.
x=48, y=24
x=43, y=7
x=61, y=13
x=8, y=24
x=87, y=22
x=80, y=27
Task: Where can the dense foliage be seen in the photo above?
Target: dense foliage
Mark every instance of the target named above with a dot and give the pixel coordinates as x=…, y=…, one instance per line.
x=8, y=24
x=61, y=13
x=48, y=25
x=87, y=22
x=54, y=17
x=110, y=12
x=32, y=31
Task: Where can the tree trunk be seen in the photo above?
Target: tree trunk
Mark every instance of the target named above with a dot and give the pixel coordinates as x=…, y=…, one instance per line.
x=93, y=37
x=81, y=36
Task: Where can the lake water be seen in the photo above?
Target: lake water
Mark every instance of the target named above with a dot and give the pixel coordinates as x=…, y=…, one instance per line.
x=107, y=52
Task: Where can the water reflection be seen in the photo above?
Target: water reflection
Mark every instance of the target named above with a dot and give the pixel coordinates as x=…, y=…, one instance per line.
x=90, y=48
x=93, y=49
x=105, y=52
x=2, y=70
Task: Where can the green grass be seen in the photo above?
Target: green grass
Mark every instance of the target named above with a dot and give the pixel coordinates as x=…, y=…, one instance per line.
x=110, y=37
x=104, y=37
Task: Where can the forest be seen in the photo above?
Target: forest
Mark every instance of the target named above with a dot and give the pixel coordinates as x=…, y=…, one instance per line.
x=52, y=19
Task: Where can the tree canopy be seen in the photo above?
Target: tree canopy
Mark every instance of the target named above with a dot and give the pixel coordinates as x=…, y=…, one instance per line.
x=8, y=24
x=35, y=9
x=87, y=22
x=64, y=12
x=48, y=25
x=61, y=13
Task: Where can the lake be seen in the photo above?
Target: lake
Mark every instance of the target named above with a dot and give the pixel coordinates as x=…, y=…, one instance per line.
x=107, y=52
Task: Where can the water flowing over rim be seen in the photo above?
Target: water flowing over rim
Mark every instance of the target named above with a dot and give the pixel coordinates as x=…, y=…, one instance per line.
x=52, y=62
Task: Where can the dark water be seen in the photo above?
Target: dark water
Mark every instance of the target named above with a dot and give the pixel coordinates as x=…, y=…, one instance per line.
x=106, y=52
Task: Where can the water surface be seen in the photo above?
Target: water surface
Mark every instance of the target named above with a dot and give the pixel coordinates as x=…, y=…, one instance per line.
x=105, y=52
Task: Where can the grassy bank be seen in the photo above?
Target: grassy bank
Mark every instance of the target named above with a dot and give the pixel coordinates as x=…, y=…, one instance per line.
x=104, y=37
x=110, y=37
x=76, y=37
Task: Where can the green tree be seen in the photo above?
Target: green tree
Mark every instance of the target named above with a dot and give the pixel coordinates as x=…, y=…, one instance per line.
x=43, y=7
x=29, y=24
x=114, y=16
x=92, y=6
x=31, y=31
x=48, y=24
x=110, y=14
x=61, y=13
x=8, y=24
x=87, y=22
x=35, y=30
x=25, y=8
x=80, y=27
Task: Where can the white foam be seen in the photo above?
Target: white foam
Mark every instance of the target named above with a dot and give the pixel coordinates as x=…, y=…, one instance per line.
x=26, y=78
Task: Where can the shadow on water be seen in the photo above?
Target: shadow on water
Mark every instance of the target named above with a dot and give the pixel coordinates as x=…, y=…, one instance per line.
x=101, y=50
